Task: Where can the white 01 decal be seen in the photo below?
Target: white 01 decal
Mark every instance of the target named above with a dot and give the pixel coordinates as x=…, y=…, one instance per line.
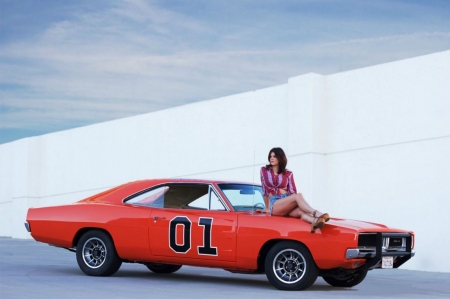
x=185, y=246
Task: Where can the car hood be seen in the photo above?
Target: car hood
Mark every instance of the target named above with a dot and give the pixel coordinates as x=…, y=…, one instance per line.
x=361, y=226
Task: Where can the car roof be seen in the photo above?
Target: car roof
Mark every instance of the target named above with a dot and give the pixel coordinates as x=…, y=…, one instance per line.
x=116, y=194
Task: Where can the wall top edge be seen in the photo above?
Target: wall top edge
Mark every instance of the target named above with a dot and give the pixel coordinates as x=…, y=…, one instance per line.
x=123, y=119
x=394, y=62
x=290, y=80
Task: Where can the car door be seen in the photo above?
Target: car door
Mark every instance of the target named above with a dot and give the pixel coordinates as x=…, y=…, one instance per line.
x=191, y=221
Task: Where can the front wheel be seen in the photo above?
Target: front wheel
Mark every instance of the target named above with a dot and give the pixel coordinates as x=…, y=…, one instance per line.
x=163, y=268
x=347, y=279
x=96, y=255
x=290, y=266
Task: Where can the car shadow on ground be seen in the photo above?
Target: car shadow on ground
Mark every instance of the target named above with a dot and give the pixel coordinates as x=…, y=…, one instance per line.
x=210, y=278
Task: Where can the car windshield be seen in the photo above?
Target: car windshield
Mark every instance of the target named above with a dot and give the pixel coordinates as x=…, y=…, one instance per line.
x=243, y=197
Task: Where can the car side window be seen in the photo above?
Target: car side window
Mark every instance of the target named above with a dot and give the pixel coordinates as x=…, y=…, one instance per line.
x=154, y=197
x=208, y=201
x=216, y=204
x=180, y=196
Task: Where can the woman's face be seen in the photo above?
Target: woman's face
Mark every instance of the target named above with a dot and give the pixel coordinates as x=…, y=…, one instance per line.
x=273, y=159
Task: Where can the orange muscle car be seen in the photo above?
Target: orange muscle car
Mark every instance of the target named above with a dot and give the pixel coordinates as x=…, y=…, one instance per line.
x=167, y=223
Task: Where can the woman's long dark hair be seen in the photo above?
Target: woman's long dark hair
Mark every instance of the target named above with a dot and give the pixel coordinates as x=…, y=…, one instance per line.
x=281, y=156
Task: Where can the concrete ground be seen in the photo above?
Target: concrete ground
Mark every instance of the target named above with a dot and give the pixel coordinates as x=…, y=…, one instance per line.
x=29, y=269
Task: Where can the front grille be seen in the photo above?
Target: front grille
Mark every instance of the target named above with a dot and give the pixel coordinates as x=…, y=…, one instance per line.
x=367, y=240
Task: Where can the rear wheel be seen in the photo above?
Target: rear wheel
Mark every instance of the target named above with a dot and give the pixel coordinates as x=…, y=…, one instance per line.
x=290, y=266
x=96, y=255
x=163, y=268
x=347, y=279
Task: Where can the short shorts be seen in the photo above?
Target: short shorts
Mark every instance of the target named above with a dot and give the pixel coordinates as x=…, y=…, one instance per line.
x=273, y=199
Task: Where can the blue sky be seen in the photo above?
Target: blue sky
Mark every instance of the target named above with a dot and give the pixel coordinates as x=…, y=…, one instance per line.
x=65, y=64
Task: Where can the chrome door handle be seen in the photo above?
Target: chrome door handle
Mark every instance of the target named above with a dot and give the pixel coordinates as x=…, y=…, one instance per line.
x=158, y=217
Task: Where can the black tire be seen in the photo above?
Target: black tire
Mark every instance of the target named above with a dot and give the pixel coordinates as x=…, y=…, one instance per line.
x=163, y=268
x=290, y=266
x=96, y=255
x=347, y=280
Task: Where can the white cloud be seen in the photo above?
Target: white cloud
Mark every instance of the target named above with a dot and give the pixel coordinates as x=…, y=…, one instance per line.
x=138, y=57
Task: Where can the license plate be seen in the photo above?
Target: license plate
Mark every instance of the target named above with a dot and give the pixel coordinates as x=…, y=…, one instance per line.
x=387, y=262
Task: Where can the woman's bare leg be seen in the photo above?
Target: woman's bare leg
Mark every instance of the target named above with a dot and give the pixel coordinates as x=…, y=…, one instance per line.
x=308, y=218
x=288, y=204
x=298, y=213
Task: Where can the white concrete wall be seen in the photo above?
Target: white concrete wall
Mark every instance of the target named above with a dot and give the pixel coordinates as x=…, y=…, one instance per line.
x=370, y=144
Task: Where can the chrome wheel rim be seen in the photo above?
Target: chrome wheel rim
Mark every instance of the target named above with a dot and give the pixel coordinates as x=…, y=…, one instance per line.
x=94, y=253
x=289, y=266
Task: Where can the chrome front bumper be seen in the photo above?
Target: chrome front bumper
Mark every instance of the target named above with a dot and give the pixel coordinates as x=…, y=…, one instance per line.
x=356, y=253
x=27, y=226
x=376, y=246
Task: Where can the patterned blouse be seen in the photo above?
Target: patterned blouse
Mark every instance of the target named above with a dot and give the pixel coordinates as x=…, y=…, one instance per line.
x=272, y=183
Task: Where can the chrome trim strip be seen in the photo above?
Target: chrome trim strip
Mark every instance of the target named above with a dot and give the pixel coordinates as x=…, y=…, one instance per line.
x=222, y=200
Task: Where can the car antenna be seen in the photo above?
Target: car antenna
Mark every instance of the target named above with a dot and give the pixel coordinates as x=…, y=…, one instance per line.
x=253, y=183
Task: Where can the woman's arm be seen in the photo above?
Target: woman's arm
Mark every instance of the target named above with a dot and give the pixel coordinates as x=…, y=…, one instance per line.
x=266, y=202
x=263, y=181
x=292, y=189
x=264, y=189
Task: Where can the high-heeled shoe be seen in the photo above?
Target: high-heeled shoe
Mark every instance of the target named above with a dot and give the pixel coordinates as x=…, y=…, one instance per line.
x=317, y=223
x=324, y=216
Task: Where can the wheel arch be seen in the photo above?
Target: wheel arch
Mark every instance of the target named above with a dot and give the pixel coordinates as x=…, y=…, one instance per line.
x=84, y=230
